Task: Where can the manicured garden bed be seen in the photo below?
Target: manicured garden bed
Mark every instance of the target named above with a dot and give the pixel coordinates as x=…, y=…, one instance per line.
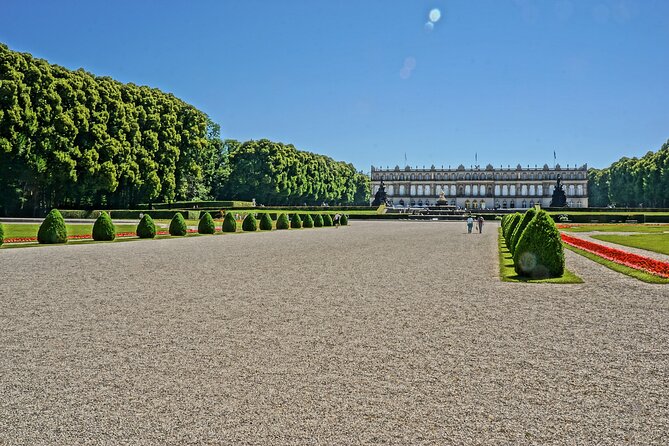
x=645, y=264
x=651, y=242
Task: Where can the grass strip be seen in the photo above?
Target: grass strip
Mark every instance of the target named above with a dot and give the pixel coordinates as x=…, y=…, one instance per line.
x=508, y=274
x=650, y=242
x=615, y=227
x=637, y=274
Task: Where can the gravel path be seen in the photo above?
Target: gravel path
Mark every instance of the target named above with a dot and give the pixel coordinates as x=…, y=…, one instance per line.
x=639, y=251
x=377, y=333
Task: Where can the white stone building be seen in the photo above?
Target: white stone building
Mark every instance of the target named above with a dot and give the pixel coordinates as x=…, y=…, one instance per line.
x=481, y=188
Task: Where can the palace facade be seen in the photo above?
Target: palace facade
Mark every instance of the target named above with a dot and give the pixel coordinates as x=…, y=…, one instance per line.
x=481, y=188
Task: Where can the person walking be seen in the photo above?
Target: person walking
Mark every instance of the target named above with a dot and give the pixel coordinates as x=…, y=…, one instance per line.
x=337, y=217
x=480, y=224
x=470, y=224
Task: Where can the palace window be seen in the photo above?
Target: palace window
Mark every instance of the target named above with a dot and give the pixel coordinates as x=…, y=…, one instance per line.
x=402, y=190
x=412, y=190
x=504, y=204
x=571, y=189
x=453, y=190
x=524, y=204
x=523, y=190
x=427, y=189
x=540, y=190
x=505, y=190
x=467, y=204
x=391, y=190
x=468, y=190
x=579, y=190
x=512, y=204
x=512, y=190
x=497, y=190
x=532, y=191
x=482, y=190
x=419, y=190
x=531, y=203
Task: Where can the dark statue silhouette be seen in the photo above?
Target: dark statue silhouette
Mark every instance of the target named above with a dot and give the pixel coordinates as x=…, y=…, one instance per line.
x=380, y=197
x=559, y=199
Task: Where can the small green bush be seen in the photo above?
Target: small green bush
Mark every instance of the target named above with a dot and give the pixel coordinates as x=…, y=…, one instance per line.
x=520, y=227
x=343, y=220
x=178, y=226
x=266, y=222
x=308, y=222
x=206, y=224
x=539, y=253
x=296, y=222
x=511, y=226
x=2, y=235
x=229, y=223
x=282, y=222
x=318, y=220
x=250, y=224
x=103, y=228
x=146, y=227
x=52, y=229
x=327, y=220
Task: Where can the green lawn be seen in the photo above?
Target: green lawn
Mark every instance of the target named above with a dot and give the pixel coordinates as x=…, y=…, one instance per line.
x=619, y=227
x=637, y=274
x=651, y=242
x=508, y=273
x=13, y=230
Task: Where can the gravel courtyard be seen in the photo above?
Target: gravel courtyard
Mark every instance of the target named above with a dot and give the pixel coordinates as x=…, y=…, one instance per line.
x=377, y=333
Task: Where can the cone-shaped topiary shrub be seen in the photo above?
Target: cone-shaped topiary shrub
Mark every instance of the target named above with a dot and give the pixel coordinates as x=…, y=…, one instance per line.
x=229, y=223
x=178, y=226
x=520, y=227
x=146, y=227
x=539, y=253
x=307, y=221
x=103, y=228
x=2, y=235
x=343, y=220
x=52, y=229
x=282, y=222
x=296, y=222
x=327, y=220
x=266, y=222
x=206, y=224
x=513, y=221
x=250, y=223
x=318, y=220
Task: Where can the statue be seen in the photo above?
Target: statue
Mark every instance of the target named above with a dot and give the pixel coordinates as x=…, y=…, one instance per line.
x=559, y=199
x=442, y=200
x=381, y=197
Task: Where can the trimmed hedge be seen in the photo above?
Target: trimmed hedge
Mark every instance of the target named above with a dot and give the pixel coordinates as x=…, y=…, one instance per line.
x=282, y=222
x=146, y=227
x=511, y=226
x=103, y=228
x=520, y=227
x=318, y=220
x=52, y=230
x=343, y=220
x=206, y=224
x=2, y=235
x=200, y=204
x=266, y=222
x=327, y=220
x=229, y=223
x=178, y=226
x=296, y=222
x=539, y=253
x=250, y=224
x=307, y=221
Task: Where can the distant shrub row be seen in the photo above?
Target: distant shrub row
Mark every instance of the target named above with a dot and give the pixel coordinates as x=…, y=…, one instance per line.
x=53, y=230
x=534, y=241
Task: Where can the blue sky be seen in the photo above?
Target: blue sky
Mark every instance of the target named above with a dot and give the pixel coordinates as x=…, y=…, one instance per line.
x=369, y=81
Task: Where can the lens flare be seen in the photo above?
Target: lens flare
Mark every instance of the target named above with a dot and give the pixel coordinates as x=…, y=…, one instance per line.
x=435, y=15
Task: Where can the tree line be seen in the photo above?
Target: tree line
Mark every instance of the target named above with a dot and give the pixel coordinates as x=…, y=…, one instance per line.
x=71, y=139
x=632, y=182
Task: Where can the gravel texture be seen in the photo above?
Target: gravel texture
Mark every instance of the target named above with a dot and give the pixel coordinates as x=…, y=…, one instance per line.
x=377, y=333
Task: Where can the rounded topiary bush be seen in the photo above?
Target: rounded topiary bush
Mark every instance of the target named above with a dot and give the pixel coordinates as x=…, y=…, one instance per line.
x=343, y=220
x=318, y=220
x=266, y=222
x=327, y=220
x=206, y=224
x=539, y=253
x=103, y=228
x=52, y=229
x=178, y=226
x=146, y=227
x=307, y=221
x=282, y=222
x=511, y=226
x=520, y=227
x=229, y=223
x=250, y=224
x=296, y=222
x=2, y=235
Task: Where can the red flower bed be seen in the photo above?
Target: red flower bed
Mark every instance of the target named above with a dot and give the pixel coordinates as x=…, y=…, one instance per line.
x=87, y=236
x=635, y=261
